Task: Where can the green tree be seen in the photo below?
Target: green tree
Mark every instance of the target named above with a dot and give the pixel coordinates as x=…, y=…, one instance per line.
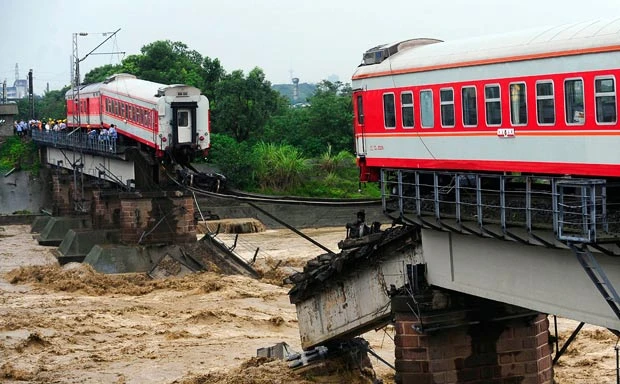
x=99, y=74
x=51, y=105
x=245, y=104
x=326, y=122
x=330, y=120
x=166, y=62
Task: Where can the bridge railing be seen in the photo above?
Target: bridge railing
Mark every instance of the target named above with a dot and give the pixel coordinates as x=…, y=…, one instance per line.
x=512, y=207
x=76, y=139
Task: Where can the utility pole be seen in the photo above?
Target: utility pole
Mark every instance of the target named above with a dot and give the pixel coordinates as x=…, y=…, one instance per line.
x=76, y=72
x=78, y=197
x=30, y=95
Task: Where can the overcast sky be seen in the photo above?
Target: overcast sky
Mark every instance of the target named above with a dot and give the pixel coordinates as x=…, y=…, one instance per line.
x=313, y=39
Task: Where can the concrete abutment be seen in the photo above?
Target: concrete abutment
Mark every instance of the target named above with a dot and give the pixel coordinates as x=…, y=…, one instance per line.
x=471, y=340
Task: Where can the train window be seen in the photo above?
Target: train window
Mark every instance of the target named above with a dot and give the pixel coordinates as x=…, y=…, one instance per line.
x=130, y=113
x=545, y=103
x=493, y=104
x=123, y=110
x=183, y=118
x=138, y=116
x=360, y=110
x=470, y=108
x=605, y=94
x=389, y=110
x=427, y=109
x=573, y=102
x=446, y=101
x=406, y=105
x=518, y=104
x=116, y=107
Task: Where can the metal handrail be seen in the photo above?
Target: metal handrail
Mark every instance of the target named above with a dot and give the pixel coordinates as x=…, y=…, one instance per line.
x=77, y=139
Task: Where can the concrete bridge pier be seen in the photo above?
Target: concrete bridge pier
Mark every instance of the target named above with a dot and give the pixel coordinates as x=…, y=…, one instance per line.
x=450, y=337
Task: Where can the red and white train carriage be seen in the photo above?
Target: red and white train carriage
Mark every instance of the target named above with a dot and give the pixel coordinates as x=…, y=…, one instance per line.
x=165, y=118
x=542, y=101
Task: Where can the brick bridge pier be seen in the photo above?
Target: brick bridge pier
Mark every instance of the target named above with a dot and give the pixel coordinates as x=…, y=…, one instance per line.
x=449, y=337
x=161, y=217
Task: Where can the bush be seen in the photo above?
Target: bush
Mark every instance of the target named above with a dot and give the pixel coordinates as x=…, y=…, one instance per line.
x=19, y=153
x=234, y=160
x=281, y=169
x=278, y=167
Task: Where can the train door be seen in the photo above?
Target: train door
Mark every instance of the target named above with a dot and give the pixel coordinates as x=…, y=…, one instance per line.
x=184, y=124
x=359, y=127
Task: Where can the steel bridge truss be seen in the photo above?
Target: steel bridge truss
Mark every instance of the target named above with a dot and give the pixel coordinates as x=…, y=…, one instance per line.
x=501, y=206
x=510, y=207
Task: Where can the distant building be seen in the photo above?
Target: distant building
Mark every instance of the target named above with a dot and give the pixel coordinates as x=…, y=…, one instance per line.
x=8, y=112
x=19, y=90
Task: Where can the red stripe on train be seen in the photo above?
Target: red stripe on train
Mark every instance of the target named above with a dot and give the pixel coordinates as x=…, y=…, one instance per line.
x=535, y=167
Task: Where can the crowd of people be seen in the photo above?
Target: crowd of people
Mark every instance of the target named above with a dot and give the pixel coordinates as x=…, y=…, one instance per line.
x=104, y=139
x=104, y=134
x=23, y=128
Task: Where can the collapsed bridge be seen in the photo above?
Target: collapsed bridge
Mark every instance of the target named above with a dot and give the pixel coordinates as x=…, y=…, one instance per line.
x=468, y=275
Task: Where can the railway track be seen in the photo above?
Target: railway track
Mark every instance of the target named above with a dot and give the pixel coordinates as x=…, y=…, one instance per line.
x=259, y=198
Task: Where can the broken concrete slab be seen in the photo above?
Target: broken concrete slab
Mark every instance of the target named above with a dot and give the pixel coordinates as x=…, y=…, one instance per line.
x=169, y=266
x=279, y=351
x=157, y=261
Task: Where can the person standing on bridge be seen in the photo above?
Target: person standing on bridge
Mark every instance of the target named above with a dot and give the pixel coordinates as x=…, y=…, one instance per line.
x=113, y=136
x=112, y=132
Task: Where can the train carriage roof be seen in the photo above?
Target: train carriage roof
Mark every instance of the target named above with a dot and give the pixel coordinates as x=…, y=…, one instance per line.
x=84, y=90
x=564, y=40
x=128, y=85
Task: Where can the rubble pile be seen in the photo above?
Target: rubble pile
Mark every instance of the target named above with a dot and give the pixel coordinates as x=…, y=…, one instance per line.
x=320, y=269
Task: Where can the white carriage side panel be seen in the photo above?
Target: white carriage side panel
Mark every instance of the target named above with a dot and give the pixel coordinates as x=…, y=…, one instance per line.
x=566, y=149
x=556, y=65
x=165, y=123
x=125, y=126
x=202, y=123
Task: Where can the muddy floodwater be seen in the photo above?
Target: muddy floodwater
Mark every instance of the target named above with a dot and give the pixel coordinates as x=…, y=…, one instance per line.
x=71, y=324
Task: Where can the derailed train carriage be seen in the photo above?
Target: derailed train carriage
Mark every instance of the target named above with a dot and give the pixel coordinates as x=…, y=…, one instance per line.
x=540, y=101
x=169, y=121
x=435, y=118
